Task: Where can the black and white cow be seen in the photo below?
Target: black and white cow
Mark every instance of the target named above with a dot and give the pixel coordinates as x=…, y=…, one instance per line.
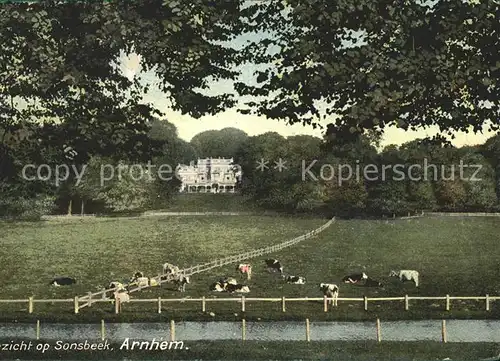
x=181, y=282
x=62, y=281
x=228, y=281
x=295, y=280
x=169, y=268
x=237, y=288
x=273, y=265
x=217, y=287
x=331, y=291
x=117, y=286
x=370, y=282
x=355, y=278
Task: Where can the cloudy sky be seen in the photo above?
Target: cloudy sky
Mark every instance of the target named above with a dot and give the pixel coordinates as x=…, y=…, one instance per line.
x=254, y=125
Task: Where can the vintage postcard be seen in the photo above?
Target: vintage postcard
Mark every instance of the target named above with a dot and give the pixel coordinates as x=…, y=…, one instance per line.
x=249, y=180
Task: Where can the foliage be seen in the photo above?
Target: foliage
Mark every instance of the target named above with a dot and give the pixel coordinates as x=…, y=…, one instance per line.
x=373, y=65
x=26, y=209
x=223, y=143
x=118, y=185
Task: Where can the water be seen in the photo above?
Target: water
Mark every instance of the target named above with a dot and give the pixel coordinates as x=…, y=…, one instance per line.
x=426, y=330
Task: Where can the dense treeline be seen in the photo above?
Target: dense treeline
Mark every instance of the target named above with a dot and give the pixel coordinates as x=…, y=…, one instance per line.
x=353, y=178
x=345, y=178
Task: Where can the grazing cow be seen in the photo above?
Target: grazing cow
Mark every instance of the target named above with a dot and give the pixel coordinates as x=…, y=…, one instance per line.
x=245, y=268
x=117, y=286
x=406, y=275
x=228, y=281
x=273, y=265
x=355, y=278
x=295, y=280
x=181, y=282
x=136, y=275
x=237, y=288
x=331, y=291
x=217, y=287
x=62, y=281
x=370, y=282
x=122, y=296
x=169, y=268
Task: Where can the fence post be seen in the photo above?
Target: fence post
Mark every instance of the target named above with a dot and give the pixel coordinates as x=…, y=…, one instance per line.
x=407, y=305
x=242, y=303
x=366, y=302
x=447, y=302
x=103, y=332
x=37, y=329
x=159, y=304
x=90, y=298
x=379, y=338
x=487, y=302
x=283, y=307
x=203, y=304
x=443, y=331
x=243, y=329
x=30, y=304
x=117, y=305
x=172, y=330
x=308, y=331
x=77, y=305
x=325, y=303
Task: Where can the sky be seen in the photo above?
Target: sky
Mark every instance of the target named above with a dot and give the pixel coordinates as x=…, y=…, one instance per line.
x=188, y=127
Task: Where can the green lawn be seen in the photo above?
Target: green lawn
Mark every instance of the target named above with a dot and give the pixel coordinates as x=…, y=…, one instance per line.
x=96, y=251
x=456, y=256
x=292, y=350
x=207, y=202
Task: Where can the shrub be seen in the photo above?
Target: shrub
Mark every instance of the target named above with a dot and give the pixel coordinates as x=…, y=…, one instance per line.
x=26, y=209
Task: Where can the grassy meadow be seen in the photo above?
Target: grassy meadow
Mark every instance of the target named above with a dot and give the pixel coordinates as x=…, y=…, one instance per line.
x=455, y=256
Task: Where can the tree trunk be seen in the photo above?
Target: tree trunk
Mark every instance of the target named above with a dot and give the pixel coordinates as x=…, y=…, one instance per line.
x=70, y=205
x=83, y=208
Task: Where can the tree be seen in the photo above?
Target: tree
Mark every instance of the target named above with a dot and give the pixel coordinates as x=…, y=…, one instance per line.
x=61, y=83
x=219, y=143
x=479, y=182
x=375, y=65
x=271, y=187
x=491, y=151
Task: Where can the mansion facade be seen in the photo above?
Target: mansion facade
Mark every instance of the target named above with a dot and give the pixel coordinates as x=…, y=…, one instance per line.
x=212, y=175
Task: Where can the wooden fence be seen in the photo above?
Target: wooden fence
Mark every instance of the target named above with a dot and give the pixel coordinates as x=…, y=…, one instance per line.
x=97, y=296
x=243, y=300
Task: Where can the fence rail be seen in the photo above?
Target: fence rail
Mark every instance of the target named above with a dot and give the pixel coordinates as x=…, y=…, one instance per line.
x=463, y=214
x=283, y=300
x=213, y=264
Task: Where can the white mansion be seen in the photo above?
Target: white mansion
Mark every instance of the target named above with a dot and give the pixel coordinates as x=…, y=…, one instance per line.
x=215, y=175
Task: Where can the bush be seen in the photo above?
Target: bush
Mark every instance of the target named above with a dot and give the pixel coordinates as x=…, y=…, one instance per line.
x=26, y=209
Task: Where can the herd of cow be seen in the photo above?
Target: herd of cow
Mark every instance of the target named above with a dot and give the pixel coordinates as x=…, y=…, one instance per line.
x=171, y=273
x=330, y=290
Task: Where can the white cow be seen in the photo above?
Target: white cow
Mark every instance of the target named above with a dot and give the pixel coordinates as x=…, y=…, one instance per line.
x=331, y=291
x=121, y=296
x=406, y=275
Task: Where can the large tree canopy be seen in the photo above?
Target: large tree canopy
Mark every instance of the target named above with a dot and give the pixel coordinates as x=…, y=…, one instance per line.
x=59, y=66
x=219, y=143
x=375, y=64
